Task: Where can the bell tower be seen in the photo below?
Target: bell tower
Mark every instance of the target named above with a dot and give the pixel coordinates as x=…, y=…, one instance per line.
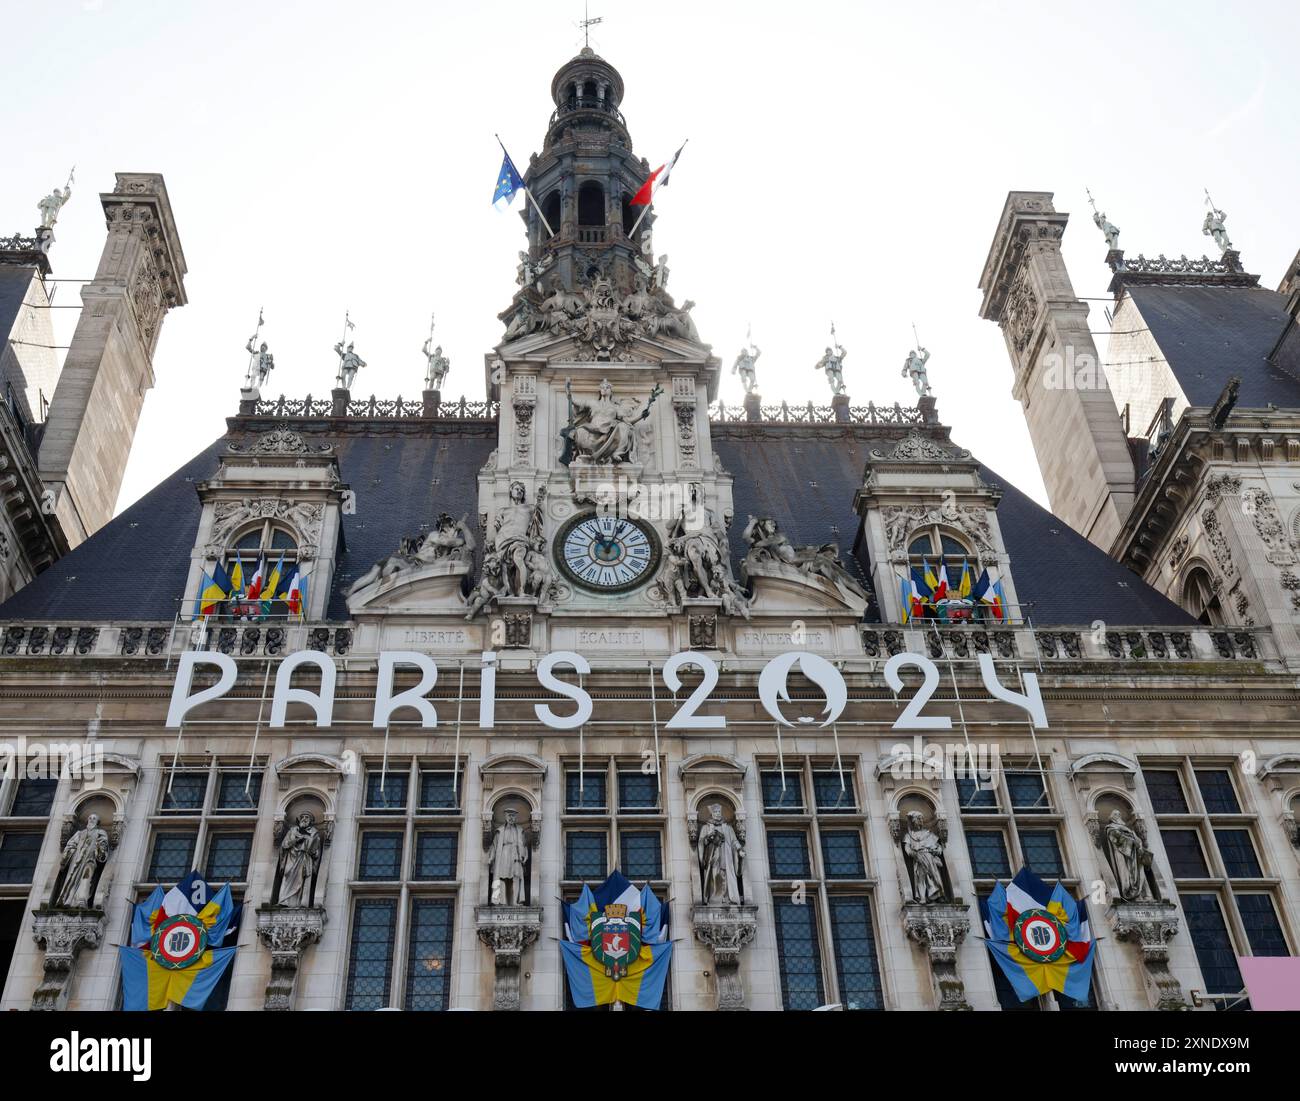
x=584, y=178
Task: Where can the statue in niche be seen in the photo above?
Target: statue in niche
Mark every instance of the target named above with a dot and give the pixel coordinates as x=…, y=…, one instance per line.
x=298, y=862
x=925, y=863
x=832, y=363
x=721, y=852
x=508, y=862
x=1128, y=857
x=349, y=364
x=914, y=368
x=745, y=366
x=602, y=429
x=81, y=865
x=517, y=529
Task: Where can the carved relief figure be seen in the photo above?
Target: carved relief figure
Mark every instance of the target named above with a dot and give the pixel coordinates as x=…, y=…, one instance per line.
x=508, y=861
x=298, y=862
x=602, y=429
x=82, y=862
x=720, y=851
x=491, y=585
x=924, y=852
x=767, y=543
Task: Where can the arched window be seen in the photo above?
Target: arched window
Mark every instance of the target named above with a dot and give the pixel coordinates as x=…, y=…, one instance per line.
x=591, y=204
x=271, y=545
x=1200, y=599
x=942, y=554
x=551, y=207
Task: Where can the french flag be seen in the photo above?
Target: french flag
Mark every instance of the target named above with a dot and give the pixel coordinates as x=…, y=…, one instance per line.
x=657, y=179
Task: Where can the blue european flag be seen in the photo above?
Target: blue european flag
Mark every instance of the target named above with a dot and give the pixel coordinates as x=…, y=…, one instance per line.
x=508, y=182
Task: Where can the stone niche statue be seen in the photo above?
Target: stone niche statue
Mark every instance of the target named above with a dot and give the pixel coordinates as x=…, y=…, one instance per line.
x=720, y=851
x=1129, y=857
x=298, y=861
x=509, y=856
x=927, y=871
x=81, y=865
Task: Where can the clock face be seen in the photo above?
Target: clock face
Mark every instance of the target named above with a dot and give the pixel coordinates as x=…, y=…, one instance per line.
x=608, y=554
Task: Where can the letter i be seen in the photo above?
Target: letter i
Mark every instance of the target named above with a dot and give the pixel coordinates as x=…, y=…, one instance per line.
x=487, y=691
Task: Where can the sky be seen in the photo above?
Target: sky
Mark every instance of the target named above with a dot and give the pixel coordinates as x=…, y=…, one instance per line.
x=847, y=163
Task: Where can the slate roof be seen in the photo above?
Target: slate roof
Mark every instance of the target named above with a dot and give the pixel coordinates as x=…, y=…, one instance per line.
x=135, y=567
x=1208, y=334
x=808, y=485
x=14, y=281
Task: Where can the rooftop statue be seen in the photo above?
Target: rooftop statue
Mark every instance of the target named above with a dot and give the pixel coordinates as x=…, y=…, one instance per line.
x=832, y=362
x=914, y=368
x=349, y=364
x=1108, y=228
x=436, y=366
x=53, y=203
x=1213, y=226
x=744, y=366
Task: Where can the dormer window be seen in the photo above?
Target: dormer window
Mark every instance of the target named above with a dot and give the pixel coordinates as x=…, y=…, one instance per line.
x=936, y=556
x=271, y=546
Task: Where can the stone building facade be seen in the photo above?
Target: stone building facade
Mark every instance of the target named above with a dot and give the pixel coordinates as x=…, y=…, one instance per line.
x=602, y=607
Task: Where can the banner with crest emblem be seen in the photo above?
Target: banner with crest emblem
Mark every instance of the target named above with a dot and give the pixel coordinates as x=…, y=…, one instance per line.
x=616, y=947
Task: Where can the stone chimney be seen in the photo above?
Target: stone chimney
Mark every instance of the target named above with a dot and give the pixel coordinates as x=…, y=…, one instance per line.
x=109, y=365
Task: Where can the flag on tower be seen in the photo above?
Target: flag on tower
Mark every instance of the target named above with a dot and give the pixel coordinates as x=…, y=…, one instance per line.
x=657, y=179
x=508, y=183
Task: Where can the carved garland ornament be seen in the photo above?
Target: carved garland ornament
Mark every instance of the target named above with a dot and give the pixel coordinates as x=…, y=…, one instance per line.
x=304, y=518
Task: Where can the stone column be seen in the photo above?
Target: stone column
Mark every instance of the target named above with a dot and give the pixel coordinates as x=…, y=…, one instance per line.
x=753, y=407
x=940, y=927
x=286, y=931
x=840, y=407
x=432, y=400
x=508, y=930
x=1151, y=926
x=339, y=402
x=726, y=929
x=63, y=934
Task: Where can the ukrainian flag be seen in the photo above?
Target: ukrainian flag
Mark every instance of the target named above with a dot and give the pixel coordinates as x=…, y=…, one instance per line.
x=211, y=594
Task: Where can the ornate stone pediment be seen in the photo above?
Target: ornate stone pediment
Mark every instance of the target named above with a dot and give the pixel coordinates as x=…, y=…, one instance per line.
x=280, y=440
x=916, y=447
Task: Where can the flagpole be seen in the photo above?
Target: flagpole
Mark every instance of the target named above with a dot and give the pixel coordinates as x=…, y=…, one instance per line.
x=632, y=232
x=527, y=194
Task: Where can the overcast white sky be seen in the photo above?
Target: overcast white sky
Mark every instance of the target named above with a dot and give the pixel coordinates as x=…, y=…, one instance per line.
x=847, y=162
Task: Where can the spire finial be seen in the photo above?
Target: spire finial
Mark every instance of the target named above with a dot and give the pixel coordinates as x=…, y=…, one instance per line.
x=587, y=23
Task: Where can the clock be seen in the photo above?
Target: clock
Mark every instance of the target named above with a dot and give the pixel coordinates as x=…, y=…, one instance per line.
x=607, y=554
